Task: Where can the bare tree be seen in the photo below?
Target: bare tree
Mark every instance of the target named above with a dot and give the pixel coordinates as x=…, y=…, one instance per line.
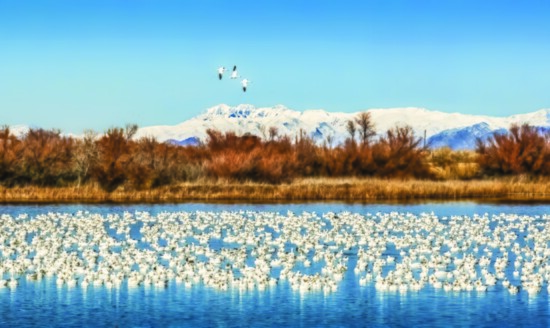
x=329, y=140
x=351, y=129
x=130, y=131
x=366, y=128
x=86, y=155
x=273, y=133
x=262, y=130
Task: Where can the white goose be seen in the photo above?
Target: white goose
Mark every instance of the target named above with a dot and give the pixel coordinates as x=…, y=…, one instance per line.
x=234, y=74
x=221, y=70
x=245, y=83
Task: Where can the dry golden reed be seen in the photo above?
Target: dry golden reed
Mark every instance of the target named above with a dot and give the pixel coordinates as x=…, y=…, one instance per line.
x=310, y=189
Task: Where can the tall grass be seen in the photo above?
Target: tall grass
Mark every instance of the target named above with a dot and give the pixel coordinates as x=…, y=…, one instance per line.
x=308, y=189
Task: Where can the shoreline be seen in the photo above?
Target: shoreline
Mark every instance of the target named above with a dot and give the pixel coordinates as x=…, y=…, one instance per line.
x=356, y=190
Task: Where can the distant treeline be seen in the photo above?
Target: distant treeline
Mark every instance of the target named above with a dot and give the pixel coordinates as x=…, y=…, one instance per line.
x=116, y=158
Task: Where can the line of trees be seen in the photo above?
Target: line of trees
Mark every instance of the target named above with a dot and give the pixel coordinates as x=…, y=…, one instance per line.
x=396, y=154
x=47, y=158
x=117, y=158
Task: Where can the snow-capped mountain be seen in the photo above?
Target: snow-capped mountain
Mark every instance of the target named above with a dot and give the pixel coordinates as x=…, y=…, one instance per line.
x=19, y=130
x=461, y=138
x=455, y=130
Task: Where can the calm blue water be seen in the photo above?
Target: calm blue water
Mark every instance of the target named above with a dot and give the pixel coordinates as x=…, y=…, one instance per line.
x=43, y=304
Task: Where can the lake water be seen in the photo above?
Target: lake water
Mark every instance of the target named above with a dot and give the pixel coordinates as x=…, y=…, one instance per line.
x=42, y=303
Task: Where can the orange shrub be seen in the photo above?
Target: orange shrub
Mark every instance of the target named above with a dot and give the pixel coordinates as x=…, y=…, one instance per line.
x=521, y=150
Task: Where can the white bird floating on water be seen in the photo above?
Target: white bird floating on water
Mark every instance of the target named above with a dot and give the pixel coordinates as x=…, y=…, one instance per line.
x=395, y=252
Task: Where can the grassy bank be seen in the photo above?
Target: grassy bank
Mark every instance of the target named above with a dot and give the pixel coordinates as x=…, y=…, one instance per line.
x=322, y=189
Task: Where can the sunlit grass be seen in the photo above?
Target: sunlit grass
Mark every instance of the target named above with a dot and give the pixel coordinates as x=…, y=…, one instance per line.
x=310, y=189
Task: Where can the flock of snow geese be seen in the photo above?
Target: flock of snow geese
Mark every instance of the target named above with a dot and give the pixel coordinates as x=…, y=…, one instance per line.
x=234, y=75
x=307, y=252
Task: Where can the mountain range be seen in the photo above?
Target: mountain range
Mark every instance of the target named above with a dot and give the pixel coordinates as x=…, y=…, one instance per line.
x=454, y=130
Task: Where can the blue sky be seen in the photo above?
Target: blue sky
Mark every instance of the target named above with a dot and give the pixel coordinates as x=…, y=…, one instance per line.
x=97, y=64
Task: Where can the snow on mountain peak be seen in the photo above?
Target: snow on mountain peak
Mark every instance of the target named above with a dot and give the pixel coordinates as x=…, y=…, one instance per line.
x=441, y=127
x=19, y=130
x=220, y=109
x=243, y=111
